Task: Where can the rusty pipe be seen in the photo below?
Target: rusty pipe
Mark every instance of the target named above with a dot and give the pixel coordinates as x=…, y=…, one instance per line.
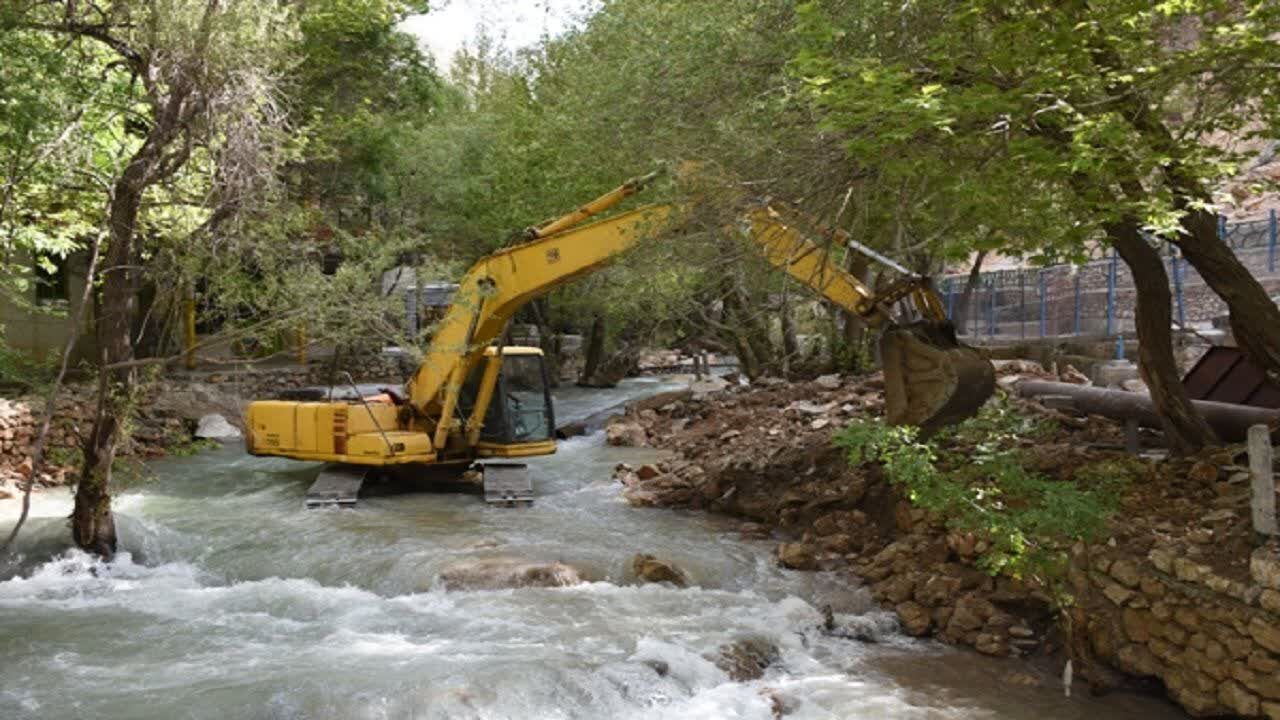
x=1230, y=422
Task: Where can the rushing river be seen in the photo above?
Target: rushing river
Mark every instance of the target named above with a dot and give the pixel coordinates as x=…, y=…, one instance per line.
x=229, y=600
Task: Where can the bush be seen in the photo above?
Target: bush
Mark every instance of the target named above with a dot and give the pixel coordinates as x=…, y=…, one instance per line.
x=975, y=476
x=18, y=370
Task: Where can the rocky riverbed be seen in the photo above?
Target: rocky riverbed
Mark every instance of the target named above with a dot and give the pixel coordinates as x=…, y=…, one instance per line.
x=230, y=599
x=1174, y=597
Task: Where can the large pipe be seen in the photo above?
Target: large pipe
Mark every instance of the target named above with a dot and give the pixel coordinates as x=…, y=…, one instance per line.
x=1230, y=422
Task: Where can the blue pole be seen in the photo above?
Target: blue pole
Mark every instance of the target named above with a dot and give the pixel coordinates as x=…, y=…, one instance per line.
x=1271, y=246
x=1044, y=305
x=951, y=300
x=991, y=308
x=974, y=329
x=1176, y=263
x=1075, y=314
x=1112, y=279
x=1111, y=295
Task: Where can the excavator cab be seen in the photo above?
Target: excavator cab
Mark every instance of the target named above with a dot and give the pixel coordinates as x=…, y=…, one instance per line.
x=519, y=420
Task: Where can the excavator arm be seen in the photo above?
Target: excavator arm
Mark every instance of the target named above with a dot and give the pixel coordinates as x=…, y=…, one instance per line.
x=499, y=285
x=931, y=379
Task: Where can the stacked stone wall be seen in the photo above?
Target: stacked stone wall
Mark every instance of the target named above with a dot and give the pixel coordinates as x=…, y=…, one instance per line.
x=1212, y=641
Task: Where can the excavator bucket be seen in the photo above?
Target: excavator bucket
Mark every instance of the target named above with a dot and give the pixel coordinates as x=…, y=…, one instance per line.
x=931, y=379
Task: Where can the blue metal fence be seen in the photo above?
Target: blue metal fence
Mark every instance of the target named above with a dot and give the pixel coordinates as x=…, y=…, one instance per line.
x=1097, y=299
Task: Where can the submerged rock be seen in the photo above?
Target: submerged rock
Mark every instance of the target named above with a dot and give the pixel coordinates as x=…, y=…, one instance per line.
x=747, y=659
x=502, y=573
x=797, y=556
x=650, y=569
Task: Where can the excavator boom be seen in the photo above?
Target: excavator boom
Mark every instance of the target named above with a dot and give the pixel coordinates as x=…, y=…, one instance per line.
x=931, y=379
x=471, y=399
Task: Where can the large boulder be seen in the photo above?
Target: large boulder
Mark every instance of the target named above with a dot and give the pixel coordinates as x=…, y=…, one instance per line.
x=216, y=427
x=625, y=433
x=650, y=569
x=504, y=572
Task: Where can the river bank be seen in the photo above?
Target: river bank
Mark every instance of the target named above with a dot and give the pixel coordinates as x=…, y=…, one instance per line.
x=1172, y=597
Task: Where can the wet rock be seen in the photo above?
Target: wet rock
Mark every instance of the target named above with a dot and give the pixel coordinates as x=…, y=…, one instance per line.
x=747, y=659
x=570, y=430
x=648, y=472
x=659, y=666
x=915, y=618
x=502, y=573
x=797, y=556
x=650, y=569
x=828, y=382
x=1021, y=679
x=625, y=434
x=971, y=614
x=216, y=427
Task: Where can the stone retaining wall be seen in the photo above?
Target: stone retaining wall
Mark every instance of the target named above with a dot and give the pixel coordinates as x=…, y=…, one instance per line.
x=1212, y=641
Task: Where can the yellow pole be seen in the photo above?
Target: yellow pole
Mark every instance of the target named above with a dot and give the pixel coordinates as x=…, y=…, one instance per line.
x=189, y=331
x=300, y=336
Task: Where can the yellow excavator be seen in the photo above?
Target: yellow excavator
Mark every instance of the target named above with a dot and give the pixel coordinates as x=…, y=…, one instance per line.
x=473, y=400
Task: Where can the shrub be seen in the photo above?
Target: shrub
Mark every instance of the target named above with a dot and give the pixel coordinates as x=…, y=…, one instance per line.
x=975, y=477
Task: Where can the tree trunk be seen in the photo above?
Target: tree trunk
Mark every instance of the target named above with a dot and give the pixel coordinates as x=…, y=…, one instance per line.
x=1255, y=319
x=854, y=334
x=92, y=524
x=594, y=355
x=790, y=344
x=748, y=329
x=548, y=340
x=1184, y=429
x=960, y=313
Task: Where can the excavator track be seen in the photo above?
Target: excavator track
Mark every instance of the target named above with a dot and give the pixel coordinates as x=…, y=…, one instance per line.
x=932, y=379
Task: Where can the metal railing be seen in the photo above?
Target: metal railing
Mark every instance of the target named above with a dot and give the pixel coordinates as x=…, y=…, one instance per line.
x=1097, y=299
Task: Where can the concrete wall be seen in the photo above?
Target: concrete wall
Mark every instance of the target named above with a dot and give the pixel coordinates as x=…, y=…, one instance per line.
x=41, y=328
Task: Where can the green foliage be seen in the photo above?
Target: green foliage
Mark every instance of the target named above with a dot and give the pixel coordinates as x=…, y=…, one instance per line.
x=192, y=446
x=61, y=456
x=19, y=370
x=975, y=476
x=1066, y=108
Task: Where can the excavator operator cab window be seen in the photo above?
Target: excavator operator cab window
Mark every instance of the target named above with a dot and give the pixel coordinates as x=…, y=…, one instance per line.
x=526, y=399
x=520, y=410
